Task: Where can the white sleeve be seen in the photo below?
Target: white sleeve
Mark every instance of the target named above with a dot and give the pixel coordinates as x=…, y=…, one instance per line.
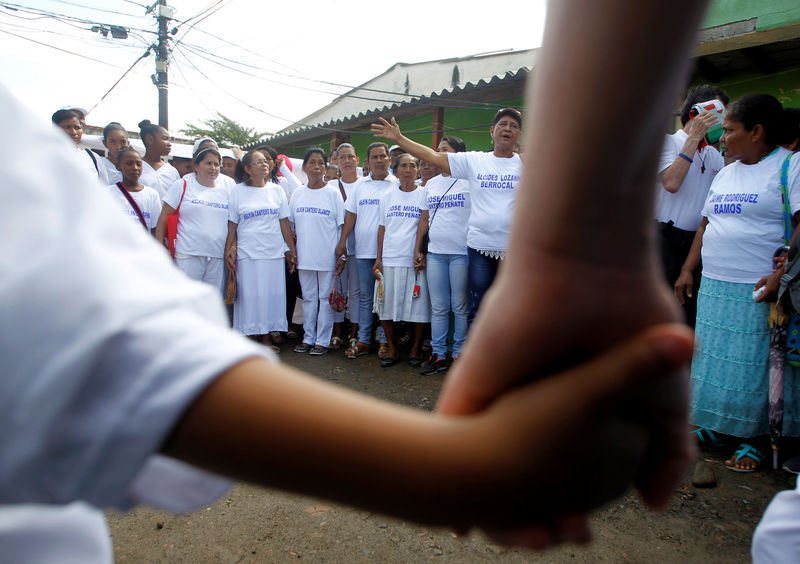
x=794, y=183
x=173, y=195
x=777, y=536
x=292, y=182
x=460, y=165
x=668, y=154
x=233, y=206
x=351, y=204
x=104, y=342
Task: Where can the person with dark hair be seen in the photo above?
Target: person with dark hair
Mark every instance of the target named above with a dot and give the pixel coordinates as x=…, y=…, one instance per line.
x=259, y=247
x=687, y=167
x=156, y=171
x=202, y=221
x=317, y=211
x=792, y=129
x=742, y=226
x=141, y=203
x=405, y=290
x=444, y=218
x=71, y=120
x=493, y=179
x=361, y=217
x=115, y=137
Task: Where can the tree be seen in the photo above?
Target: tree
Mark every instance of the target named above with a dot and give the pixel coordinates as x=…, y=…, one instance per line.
x=224, y=131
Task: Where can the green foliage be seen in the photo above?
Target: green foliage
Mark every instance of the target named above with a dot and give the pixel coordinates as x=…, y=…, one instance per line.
x=224, y=131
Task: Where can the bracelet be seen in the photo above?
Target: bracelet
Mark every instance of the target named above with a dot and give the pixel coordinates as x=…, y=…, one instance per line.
x=343, y=258
x=234, y=247
x=687, y=157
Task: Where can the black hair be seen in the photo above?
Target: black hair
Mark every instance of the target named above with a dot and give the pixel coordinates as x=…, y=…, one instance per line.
x=457, y=143
x=63, y=115
x=147, y=129
x=126, y=149
x=346, y=146
x=273, y=154
x=510, y=112
x=335, y=168
x=312, y=150
x=792, y=116
x=764, y=110
x=198, y=157
x=377, y=144
x=240, y=174
x=701, y=93
x=113, y=126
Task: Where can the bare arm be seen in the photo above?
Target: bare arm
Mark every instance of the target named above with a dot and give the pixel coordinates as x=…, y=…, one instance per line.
x=391, y=131
x=422, y=229
x=378, y=266
x=270, y=424
x=685, y=283
x=673, y=176
x=230, y=246
x=286, y=231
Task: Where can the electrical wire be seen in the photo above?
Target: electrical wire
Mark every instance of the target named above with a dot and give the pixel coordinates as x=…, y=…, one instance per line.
x=103, y=97
x=84, y=6
x=59, y=49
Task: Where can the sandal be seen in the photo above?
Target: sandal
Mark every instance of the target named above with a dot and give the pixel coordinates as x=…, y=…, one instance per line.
x=276, y=337
x=336, y=343
x=302, y=348
x=389, y=361
x=706, y=437
x=291, y=334
x=748, y=451
x=318, y=351
x=383, y=350
x=357, y=349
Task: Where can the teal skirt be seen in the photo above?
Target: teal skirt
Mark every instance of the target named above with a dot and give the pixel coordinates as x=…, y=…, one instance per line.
x=730, y=368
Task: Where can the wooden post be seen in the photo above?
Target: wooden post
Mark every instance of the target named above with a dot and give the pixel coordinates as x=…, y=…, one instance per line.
x=438, y=125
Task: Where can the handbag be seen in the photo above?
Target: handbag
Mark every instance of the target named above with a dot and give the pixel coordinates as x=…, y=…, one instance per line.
x=423, y=247
x=172, y=224
x=230, y=288
x=336, y=298
x=790, y=280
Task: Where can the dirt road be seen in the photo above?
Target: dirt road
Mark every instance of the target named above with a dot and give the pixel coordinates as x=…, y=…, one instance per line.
x=251, y=524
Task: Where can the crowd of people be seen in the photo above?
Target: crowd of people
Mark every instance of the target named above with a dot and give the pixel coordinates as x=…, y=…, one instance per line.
x=408, y=242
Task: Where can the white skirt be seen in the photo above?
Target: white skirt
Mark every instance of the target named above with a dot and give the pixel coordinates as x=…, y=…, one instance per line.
x=398, y=301
x=260, y=296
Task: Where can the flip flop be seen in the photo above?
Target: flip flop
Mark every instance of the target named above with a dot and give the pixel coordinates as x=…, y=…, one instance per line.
x=389, y=361
x=706, y=437
x=749, y=451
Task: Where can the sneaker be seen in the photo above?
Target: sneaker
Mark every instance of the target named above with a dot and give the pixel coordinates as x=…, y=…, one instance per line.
x=302, y=348
x=318, y=351
x=433, y=364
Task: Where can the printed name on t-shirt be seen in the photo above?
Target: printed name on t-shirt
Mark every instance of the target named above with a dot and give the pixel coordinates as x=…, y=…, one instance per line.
x=257, y=213
x=497, y=181
x=144, y=213
x=448, y=201
x=369, y=202
x=398, y=210
x=216, y=205
x=306, y=209
x=732, y=203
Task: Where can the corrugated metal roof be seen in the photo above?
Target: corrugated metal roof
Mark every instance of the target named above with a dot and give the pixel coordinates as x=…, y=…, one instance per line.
x=413, y=84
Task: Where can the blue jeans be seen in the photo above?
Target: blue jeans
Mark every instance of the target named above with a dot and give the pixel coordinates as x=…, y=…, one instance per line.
x=447, y=285
x=366, y=286
x=482, y=271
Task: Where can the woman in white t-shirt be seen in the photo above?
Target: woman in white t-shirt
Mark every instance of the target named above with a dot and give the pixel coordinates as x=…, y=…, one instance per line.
x=148, y=203
x=156, y=172
x=202, y=220
x=317, y=211
x=115, y=137
x=71, y=121
x=405, y=290
x=445, y=218
x=259, y=241
x=743, y=224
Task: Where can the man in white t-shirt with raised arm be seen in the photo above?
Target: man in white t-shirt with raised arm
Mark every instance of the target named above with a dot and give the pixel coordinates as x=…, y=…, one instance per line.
x=362, y=211
x=687, y=167
x=493, y=179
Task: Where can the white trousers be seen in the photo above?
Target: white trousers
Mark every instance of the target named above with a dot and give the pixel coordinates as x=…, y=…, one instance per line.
x=317, y=312
x=205, y=269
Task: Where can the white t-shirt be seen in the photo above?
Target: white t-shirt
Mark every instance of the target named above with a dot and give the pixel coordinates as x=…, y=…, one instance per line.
x=86, y=159
x=745, y=218
x=148, y=201
x=318, y=215
x=684, y=206
x=90, y=395
x=159, y=180
x=257, y=213
x=203, y=217
x=349, y=190
x=448, y=199
x=493, y=183
x=112, y=172
x=365, y=202
x=400, y=218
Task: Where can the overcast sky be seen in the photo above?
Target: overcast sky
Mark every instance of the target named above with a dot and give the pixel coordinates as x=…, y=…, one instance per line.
x=263, y=64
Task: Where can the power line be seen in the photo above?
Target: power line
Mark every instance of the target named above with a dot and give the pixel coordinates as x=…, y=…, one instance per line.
x=84, y=6
x=103, y=97
x=59, y=49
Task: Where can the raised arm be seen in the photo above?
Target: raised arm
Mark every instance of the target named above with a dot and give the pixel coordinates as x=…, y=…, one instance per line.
x=673, y=176
x=391, y=131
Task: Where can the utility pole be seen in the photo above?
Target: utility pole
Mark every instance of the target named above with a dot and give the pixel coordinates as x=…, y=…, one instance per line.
x=163, y=13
